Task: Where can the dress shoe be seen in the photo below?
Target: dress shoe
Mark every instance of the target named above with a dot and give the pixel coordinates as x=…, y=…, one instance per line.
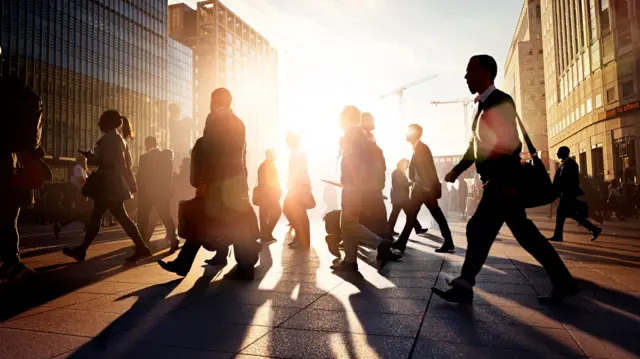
x=555, y=239
x=385, y=255
x=446, y=248
x=558, y=296
x=217, y=260
x=345, y=267
x=395, y=233
x=139, y=254
x=455, y=294
x=57, y=228
x=333, y=242
x=173, y=268
x=76, y=253
x=399, y=247
x=596, y=234
x=174, y=244
x=422, y=231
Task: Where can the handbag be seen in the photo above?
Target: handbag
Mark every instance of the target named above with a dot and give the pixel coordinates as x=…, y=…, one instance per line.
x=32, y=173
x=536, y=188
x=308, y=201
x=94, y=188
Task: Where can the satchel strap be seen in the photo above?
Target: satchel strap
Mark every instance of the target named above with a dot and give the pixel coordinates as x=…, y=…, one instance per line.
x=532, y=149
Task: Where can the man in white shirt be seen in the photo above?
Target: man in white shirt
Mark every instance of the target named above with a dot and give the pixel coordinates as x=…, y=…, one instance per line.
x=495, y=150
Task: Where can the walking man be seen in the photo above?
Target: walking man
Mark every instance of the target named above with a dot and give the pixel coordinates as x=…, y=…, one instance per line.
x=267, y=196
x=427, y=189
x=567, y=183
x=155, y=173
x=495, y=150
x=356, y=179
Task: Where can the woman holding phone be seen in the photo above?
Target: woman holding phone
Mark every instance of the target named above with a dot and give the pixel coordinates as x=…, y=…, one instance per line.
x=117, y=184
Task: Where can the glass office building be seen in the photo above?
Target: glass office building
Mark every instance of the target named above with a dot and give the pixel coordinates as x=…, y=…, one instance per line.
x=229, y=53
x=180, y=97
x=85, y=56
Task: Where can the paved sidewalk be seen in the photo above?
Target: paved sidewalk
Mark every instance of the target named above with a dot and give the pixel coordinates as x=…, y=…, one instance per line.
x=299, y=309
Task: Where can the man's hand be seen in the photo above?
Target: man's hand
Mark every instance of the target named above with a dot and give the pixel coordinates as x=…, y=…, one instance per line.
x=451, y=177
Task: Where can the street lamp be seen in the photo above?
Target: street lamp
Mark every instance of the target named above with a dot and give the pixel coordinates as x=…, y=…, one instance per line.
x=1, y=60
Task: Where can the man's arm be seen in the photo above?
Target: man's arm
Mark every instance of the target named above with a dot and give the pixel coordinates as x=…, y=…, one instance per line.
x=467, y=160
x=427, y=168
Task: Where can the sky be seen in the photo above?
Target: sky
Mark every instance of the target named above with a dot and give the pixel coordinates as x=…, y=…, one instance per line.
x=338, y=52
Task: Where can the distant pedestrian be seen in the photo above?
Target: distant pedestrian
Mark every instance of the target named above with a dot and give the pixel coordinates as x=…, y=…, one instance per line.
x=567, y=183
x=299, y=197
x=400, y=188
x=154, y=176
x=267, y=196
x=463, y=193
x=80, y=211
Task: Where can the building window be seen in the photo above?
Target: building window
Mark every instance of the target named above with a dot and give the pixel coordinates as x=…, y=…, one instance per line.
x=598, y=100
x=605, y=21
x=628, y=89
x=611, y=95
x=589, y=105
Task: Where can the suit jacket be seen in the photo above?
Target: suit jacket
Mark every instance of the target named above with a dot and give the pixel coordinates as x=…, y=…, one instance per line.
x=567, y=179
x=113, y=158
x=422, y=169
x=219, y=162
x=154, y=173
x=495, y=147
x=399, y=187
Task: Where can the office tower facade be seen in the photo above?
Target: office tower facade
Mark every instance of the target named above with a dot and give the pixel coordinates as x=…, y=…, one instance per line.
x=180, y=98
x=83, y=57
x=592, y=58
x=229, y=53
x=524, y=76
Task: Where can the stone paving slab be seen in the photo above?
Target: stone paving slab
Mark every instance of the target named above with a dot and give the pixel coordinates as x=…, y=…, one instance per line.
x=298, y=308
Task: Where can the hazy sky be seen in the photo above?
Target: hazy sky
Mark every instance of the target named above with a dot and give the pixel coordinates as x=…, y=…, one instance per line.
x=338, y=52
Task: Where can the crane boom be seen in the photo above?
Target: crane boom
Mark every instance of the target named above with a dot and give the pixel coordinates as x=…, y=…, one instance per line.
x=400, y=90
x=464, y=101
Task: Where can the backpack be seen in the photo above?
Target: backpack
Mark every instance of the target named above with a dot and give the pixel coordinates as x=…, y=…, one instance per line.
x=21, y=115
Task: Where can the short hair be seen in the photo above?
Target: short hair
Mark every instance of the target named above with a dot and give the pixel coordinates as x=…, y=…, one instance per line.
x=403, y=160
x=417, y=129
x=564, y=151
x=487, y=62
x=151, y=140
x=352, y=115
x=270, y=150
x=367, y=121
x=222, y=95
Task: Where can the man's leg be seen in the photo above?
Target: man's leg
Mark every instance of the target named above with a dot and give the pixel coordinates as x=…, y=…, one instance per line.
x=437, y=214
x=561, y=217
x=182, y=264
x=530, y=238
x=482, y=230
x=274, y=216
x=412, y=210
x=393, y=217
x=9, y=240
x=144, y=211
x=163, y=206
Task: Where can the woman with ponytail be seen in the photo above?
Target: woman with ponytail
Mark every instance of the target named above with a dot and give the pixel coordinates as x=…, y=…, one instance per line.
x=116, y=184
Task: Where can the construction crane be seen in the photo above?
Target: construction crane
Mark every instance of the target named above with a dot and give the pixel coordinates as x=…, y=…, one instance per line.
x=400, y=92
x=465, y=104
